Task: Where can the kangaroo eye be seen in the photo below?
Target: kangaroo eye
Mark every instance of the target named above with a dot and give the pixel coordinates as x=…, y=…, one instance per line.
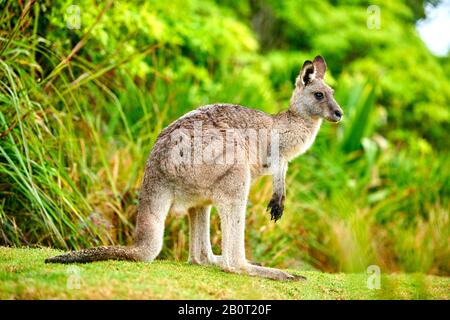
x=318, y=95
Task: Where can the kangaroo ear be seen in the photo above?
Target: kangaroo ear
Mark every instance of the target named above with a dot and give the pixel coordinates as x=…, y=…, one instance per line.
x=306, y=74
x=320, y=66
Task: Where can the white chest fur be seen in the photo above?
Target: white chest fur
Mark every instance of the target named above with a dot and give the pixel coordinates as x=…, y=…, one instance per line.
x=298, y=138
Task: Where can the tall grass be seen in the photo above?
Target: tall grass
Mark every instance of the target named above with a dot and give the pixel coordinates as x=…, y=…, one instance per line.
x=74, y=137
x=59, y=190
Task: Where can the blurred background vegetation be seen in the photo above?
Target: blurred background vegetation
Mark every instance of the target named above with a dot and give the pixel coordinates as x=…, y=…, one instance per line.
x=80, y=109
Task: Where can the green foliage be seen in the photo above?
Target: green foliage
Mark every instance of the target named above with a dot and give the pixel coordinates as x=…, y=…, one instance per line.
x=360, y=104
x=414, y=87
x=81, y=108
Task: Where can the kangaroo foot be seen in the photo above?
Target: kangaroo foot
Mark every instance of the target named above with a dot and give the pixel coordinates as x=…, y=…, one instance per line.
x=217, y=260
x=264, y=272
x=271, y=273
x=204, y=260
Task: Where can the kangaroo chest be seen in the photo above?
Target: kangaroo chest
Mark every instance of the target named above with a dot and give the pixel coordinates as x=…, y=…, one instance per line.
x=297, y=138
x=288, y=140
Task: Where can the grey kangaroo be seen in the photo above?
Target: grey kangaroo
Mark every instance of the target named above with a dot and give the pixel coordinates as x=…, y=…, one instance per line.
x=207, y=157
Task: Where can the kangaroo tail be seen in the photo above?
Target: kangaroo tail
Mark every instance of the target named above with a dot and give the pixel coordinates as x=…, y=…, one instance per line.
x=99, y=254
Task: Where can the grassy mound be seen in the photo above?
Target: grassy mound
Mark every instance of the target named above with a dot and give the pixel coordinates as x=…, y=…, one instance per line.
x=23, y=275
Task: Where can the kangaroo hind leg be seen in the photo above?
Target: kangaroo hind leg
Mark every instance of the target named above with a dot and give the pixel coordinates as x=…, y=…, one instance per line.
x=200, y=251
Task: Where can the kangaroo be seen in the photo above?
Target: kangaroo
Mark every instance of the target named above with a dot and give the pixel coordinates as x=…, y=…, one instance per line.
x=207, y=157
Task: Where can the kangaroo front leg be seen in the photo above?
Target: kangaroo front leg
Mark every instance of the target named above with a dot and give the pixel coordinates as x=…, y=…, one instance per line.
x=276, y=204
x=200, y=251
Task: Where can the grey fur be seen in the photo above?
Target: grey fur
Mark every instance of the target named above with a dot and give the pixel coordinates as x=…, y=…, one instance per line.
x=175, y=179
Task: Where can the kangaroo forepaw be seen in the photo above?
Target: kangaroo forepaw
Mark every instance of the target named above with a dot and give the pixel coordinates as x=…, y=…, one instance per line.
x=276, y=207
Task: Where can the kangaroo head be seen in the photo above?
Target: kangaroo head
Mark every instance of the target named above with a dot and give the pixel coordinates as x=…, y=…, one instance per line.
x=312, y=96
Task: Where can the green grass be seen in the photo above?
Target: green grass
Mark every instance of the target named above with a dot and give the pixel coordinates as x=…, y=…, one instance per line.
x=23, y=275
x=75, y=134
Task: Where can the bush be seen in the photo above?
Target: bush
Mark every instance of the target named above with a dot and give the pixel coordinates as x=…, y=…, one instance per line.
x=81, y=108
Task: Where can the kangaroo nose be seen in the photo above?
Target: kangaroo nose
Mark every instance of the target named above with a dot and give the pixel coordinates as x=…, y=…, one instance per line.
x=338, y=114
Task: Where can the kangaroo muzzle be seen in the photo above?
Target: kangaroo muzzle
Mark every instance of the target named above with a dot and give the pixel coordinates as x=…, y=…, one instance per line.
x=334, y=113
